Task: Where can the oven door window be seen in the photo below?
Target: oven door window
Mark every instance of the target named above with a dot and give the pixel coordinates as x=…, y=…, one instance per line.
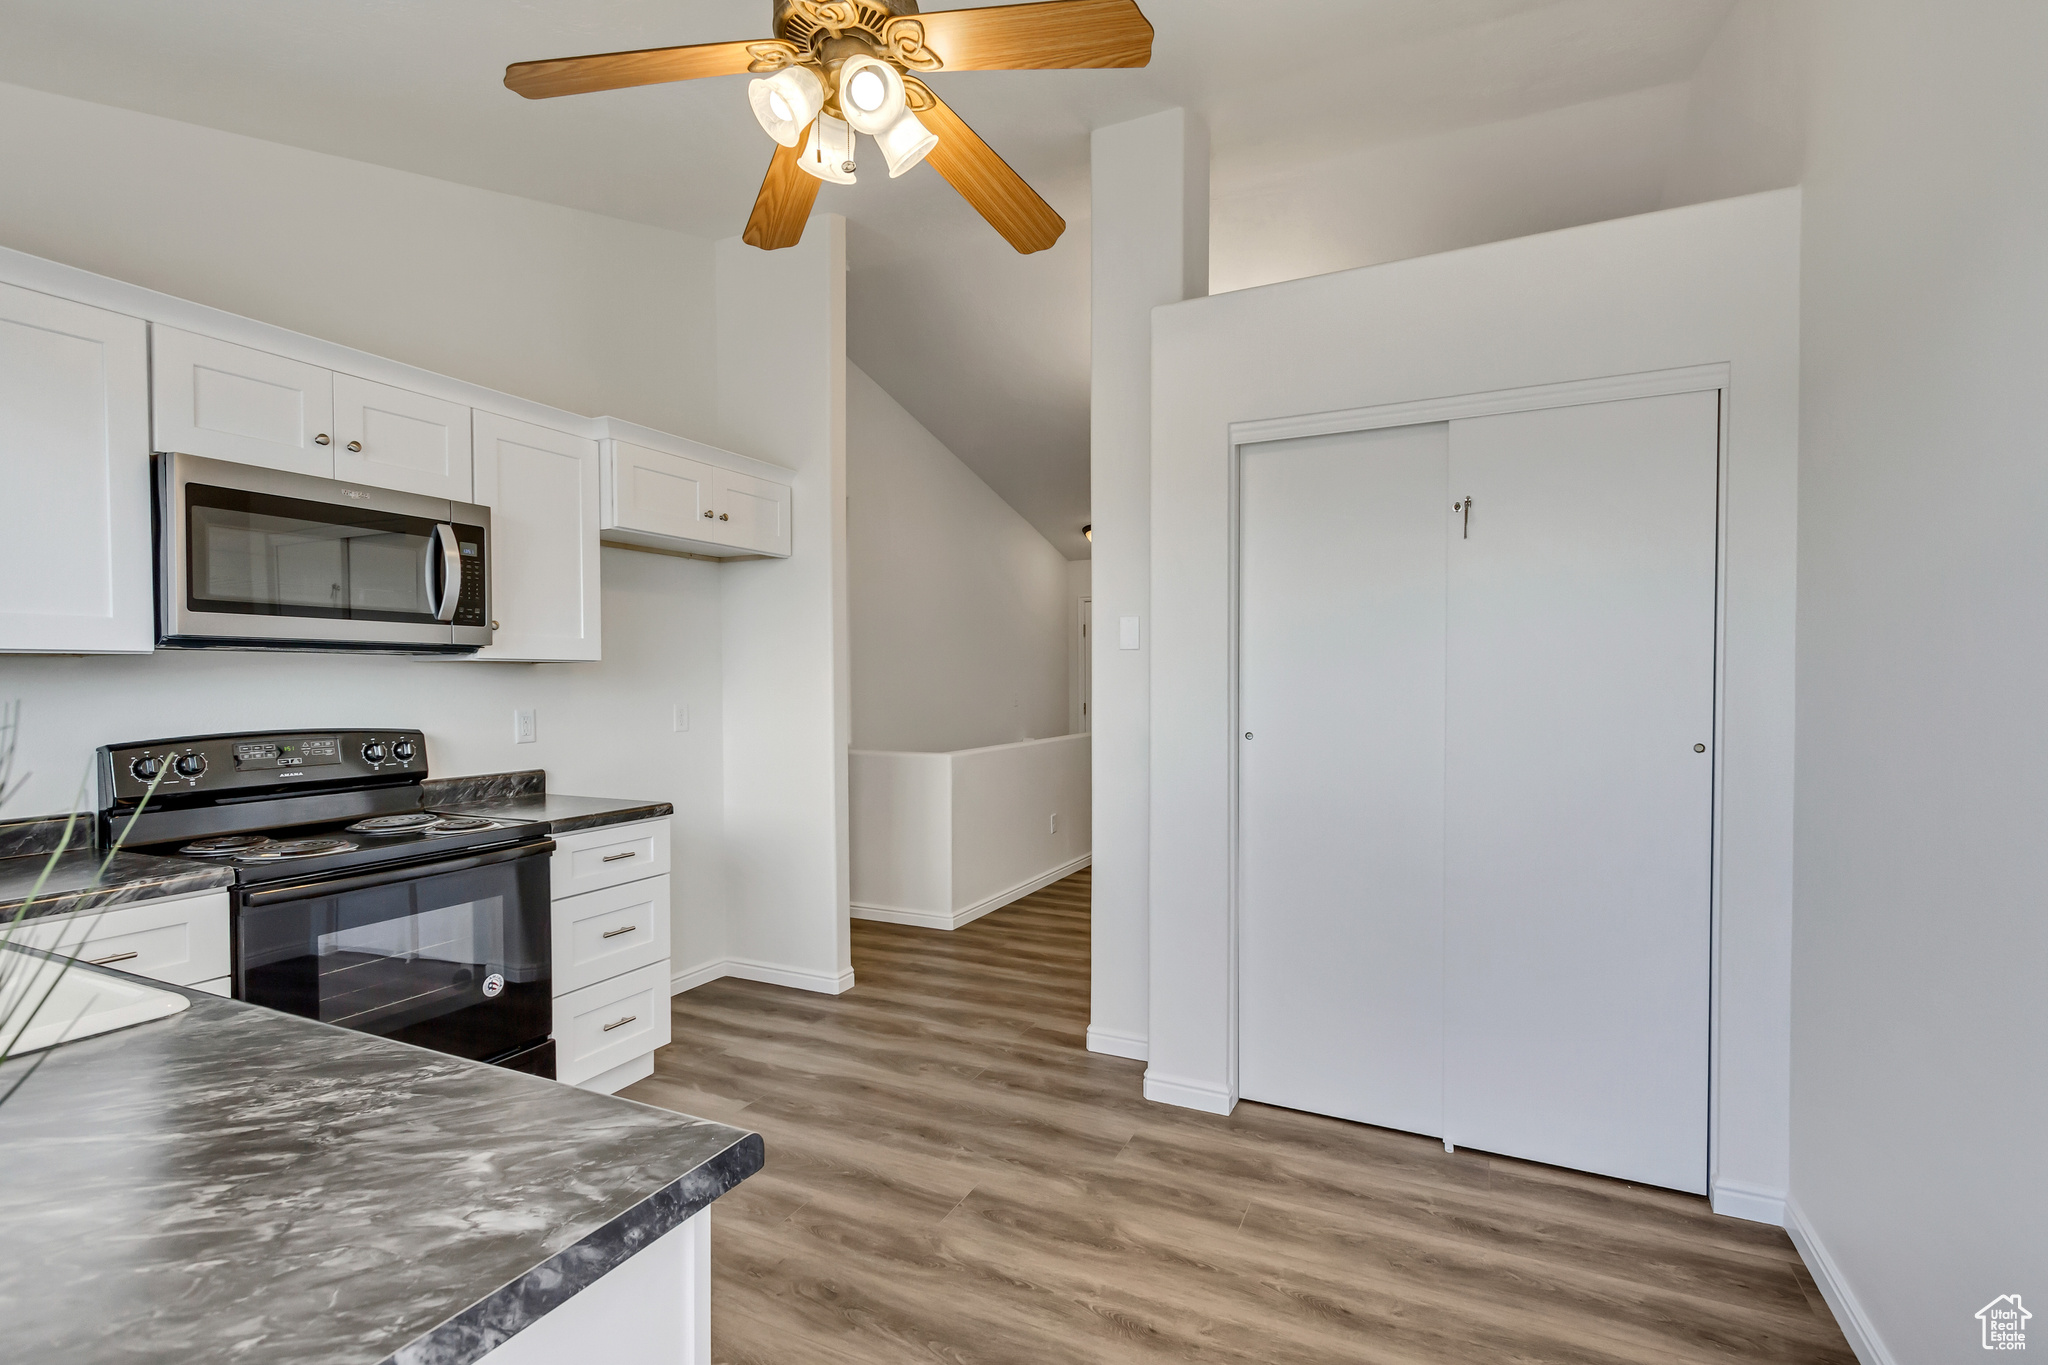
x=258, y=554
x=454, y=961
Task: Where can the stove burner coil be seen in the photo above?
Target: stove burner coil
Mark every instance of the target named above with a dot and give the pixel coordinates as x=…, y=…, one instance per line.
x=454, y=823
x=297, y=848
x=395, y=824
x=227, y=846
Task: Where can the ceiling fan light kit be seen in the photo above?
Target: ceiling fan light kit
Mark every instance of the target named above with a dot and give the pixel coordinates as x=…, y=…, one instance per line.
x=837, y=67
x=786, y=102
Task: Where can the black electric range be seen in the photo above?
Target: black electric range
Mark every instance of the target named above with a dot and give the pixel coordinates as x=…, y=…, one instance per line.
x=354, y=902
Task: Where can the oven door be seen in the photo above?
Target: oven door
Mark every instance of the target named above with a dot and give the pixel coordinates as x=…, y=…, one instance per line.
x=452, y=956
x=259, y=558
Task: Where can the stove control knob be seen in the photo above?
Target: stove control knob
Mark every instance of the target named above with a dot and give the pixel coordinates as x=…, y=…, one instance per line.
x=375, y=752
x=404, y=751
x=189, y=765
x=145, y=768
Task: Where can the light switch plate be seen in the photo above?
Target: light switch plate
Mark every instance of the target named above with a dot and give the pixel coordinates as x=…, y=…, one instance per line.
x=524, y=728
x=1127, y=632
x=680, y=718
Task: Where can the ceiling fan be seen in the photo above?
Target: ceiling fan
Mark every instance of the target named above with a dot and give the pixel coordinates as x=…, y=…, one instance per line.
x=839, y=67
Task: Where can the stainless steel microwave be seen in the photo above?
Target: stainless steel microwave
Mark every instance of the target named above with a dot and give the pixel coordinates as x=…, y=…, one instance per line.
x=250, y=558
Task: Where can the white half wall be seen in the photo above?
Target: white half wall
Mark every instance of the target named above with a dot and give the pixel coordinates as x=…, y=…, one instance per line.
x=1711, y=285
x=1920, y=1018
x=1150, y=246
x=787, y=695
x=939, y=840
x=957, y=604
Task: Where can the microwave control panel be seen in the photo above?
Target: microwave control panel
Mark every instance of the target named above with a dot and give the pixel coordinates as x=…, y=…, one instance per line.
x=472, y=606
x=250, y=762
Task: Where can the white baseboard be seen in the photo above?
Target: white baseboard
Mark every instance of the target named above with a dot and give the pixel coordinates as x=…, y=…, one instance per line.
x=939, y=919
x=1751, y=1202
x=696, y=976
x=1188, y=1094
x=1118, y=1044
x=619, y=1077
x=794, y=978
x=1855, y=1323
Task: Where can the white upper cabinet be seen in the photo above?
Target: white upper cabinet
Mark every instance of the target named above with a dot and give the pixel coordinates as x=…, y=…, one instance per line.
x=397, y=439
x=542, y=489
x=753, y=514
x=230, y=402
x=661, y=500
x=74, y=478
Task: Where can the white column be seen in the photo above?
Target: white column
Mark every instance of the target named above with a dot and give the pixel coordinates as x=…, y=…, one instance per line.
x=787, y=696
x=1151, y=247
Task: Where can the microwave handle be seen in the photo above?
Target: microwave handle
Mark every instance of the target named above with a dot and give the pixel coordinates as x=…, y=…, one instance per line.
x=451, y=572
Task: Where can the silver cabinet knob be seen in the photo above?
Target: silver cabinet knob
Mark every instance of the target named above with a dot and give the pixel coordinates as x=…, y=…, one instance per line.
x=494, y=625
x=709, y=514
x=1699, y=748
x=355, y=447
x=321, y=439
x=723, y=517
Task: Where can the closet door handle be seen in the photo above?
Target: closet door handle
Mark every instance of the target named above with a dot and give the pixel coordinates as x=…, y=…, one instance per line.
x=1465, y=506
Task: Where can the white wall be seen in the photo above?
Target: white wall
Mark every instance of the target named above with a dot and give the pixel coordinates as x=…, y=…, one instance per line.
x=1919, y=1015
x=590, y=314
x=554, y=305
x=1745, y=116
x=787, y=702
x=1282, y=219
x=958, y=605
x=1150, y=246
x=1713, y=284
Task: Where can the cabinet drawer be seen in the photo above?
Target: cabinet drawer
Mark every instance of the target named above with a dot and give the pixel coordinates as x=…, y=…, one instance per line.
x=600, y=934
x=181, y=941
x=599, y=858
x=603, y=1026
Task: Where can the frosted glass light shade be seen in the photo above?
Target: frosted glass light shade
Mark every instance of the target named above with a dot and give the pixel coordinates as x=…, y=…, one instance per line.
x=830, y=153
x=786, y=102
x=871, y=96
x=905, y=143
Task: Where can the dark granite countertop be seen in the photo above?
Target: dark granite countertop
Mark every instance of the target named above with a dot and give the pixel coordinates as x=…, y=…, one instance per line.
x=130, y=877
x=565, y=814
x=233, y=1183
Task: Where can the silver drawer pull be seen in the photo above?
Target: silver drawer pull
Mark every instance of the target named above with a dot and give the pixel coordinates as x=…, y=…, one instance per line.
x=110, y=961
x=614, y=933
x=614, y=857
x=622, y=1023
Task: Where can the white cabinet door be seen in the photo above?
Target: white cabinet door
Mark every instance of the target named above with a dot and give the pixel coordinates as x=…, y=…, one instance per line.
x=655, y=493
x=1341, y=772
x=542, y=489
x=183, y=941
x=1579, y=780
x=228, y=402
x=394, y=438
x=753, y=514
x=74, y=477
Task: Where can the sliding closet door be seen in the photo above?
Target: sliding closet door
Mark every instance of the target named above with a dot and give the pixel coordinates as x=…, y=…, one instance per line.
x=1579, y=786
x=1341, y=780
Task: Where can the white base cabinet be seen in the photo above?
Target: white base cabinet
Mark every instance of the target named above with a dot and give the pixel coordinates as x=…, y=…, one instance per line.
x=655, y=1309
x=611, y=948
x=74, y=478
x=180, y=940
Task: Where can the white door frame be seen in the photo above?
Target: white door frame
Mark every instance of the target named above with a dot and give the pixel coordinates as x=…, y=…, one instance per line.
x=1651, y=384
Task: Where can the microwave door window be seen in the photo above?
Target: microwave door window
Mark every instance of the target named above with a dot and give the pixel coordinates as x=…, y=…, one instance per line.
x=258, y=554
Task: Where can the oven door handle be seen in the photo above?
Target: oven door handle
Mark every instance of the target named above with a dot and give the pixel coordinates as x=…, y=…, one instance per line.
x=313, y=890
x=451, y=572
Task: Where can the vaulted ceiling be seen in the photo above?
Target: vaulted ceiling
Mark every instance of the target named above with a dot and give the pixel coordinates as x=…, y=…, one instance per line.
x=988, y=349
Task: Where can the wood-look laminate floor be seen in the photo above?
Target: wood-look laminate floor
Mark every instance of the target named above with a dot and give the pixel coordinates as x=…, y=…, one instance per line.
x=952, y=1177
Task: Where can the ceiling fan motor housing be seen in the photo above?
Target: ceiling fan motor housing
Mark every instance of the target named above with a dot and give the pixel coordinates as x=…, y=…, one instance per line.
x=794, y=21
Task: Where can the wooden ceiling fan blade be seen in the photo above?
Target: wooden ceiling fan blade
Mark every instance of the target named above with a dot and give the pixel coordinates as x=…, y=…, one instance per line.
x=1058, y=33
x=649, y=66
x=784, y=205
x=986, y=181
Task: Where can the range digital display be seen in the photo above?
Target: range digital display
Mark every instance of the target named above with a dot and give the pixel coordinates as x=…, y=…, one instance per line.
x=288, y=753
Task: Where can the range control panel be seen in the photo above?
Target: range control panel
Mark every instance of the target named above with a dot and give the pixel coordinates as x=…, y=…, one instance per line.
x=223, y=764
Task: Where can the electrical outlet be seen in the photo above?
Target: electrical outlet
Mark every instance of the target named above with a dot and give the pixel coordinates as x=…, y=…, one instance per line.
x=681, y=717
x=1054, y=824
x=524, y=730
